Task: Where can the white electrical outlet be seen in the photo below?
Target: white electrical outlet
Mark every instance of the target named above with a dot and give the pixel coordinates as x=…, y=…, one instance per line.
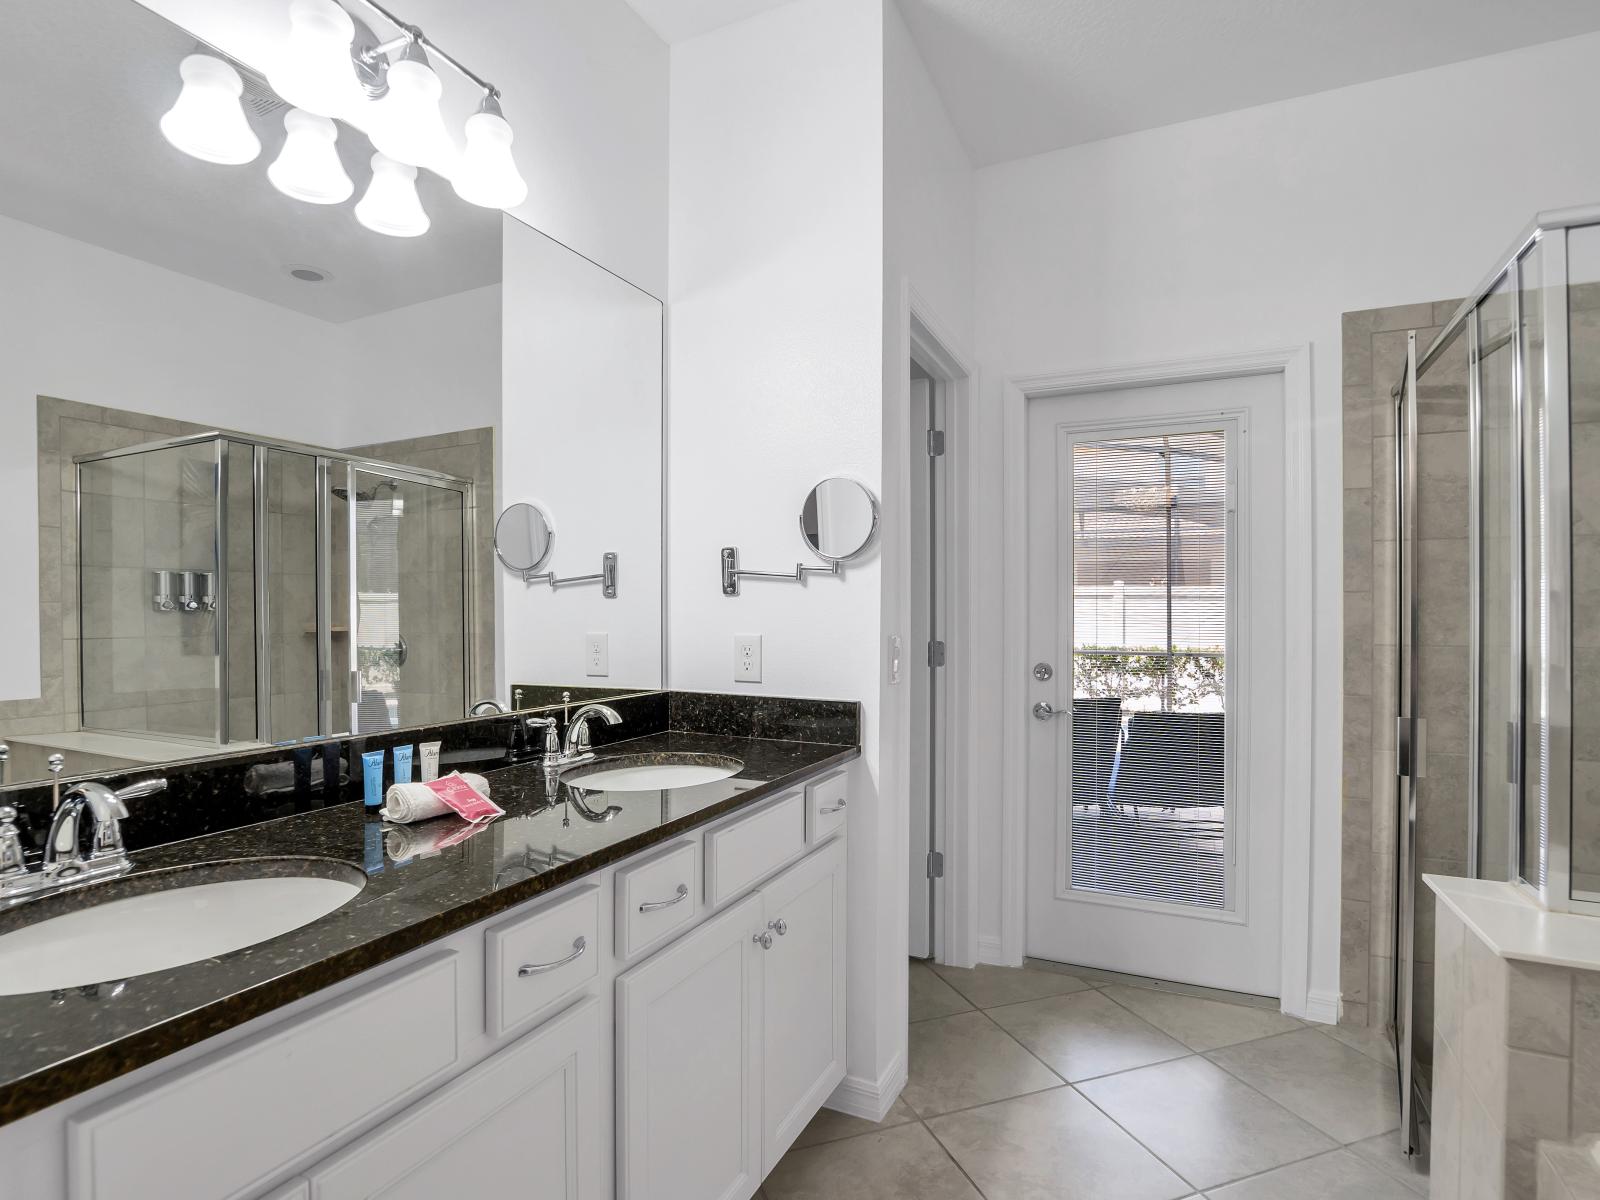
x=596, y=654
x=747, y=658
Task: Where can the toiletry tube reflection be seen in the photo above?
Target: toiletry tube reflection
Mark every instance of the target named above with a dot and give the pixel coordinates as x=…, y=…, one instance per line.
x=430, y=761
x=372, y=777
x=402, y=764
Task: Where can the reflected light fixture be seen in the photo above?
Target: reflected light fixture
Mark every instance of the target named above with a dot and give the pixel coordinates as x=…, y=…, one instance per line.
x=407, y=125
x=308, y=166
x=391, y=205
x=207, y=120
x=486, y=173
x=315, y=70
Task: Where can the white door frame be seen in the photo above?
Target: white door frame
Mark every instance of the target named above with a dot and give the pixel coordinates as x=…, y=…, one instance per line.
x=920, y=334
x=1294, y=364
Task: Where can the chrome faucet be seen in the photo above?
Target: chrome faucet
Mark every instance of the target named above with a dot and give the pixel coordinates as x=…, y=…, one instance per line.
x=65, y=863
x=577, y=748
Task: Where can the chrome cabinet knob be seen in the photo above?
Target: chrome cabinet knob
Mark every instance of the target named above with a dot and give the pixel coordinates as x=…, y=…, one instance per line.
x=763, y=939
x=779, y=927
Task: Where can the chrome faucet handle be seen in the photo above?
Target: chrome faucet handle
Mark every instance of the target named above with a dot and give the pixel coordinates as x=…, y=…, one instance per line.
x=11, y=860
x=56, y=763
x=5, y=756
x=552, y=736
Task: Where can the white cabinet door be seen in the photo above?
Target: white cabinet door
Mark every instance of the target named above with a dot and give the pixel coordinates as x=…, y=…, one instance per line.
x=688, y=1079
x=525, y=1122
x=803, y=1032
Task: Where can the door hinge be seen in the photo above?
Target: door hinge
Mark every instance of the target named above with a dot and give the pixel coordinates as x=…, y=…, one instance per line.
x=935, y=443
x=935, y=864
x=936, y=653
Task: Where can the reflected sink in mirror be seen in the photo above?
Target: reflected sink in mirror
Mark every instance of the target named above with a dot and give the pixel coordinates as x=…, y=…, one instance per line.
x=165, y=919
x=652, y=772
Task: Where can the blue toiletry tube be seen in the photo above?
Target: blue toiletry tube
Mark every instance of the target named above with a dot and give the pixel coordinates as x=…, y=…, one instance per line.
x=402, y=764
x=372, y=776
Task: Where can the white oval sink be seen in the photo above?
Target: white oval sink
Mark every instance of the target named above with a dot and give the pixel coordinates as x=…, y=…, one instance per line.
x=626, y=776
x=159, y=930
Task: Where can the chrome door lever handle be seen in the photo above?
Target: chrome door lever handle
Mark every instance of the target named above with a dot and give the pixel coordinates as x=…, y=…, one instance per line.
x=1045, y=711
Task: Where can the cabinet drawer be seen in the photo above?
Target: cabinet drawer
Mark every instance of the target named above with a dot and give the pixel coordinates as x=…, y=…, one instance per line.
x=657, y=898
x=535, y=959
x=222, y=1126
x=751, y=848
x=826, y=799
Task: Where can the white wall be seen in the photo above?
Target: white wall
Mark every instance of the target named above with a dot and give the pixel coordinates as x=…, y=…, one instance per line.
x=85, y=324
x=928, y=262
x=776, y=352
x=581, y=438
x=583, y=83
x=1258, y=229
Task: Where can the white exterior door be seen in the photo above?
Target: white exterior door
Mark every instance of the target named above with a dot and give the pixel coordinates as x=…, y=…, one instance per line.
x=803, y=996
x=1155, y=635
x=688, y=1065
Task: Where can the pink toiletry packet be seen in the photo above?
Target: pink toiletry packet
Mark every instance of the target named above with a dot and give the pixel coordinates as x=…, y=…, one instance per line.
x=465, y=800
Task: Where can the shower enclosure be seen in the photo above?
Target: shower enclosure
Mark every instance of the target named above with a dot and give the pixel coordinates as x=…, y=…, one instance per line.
x=234, y=590
x=1497, y=529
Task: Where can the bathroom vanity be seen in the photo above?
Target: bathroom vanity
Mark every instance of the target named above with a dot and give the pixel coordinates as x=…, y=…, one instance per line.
x=634, y=993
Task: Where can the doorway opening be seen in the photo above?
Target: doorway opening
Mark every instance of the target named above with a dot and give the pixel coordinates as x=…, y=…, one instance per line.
x=928, y=653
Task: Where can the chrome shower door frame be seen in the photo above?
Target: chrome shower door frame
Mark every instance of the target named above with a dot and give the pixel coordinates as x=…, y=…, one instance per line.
x=1408, y=732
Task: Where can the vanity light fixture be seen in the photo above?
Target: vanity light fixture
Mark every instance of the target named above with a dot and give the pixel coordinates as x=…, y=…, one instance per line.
x=487, y=174
x=406, y=122
x=308, y=166
x=391, y=205
x=314, y=70
x=207, y=120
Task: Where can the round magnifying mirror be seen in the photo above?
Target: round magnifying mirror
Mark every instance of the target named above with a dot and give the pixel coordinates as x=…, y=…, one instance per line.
x=523, y=536
x=839, y=519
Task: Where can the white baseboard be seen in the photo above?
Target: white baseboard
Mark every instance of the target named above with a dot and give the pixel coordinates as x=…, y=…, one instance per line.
x=992, y=950
x=1322, y=1007
x=870, y=1099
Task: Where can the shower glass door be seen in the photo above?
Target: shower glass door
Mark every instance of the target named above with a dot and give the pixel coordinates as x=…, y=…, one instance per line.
x=408, y=636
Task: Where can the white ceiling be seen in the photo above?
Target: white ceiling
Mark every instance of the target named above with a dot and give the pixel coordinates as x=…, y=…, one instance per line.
x=86, y=82
x=1021, y=77
x=678, y=20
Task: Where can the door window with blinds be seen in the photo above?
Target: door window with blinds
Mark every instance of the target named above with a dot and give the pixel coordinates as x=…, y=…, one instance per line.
x=1149, y=569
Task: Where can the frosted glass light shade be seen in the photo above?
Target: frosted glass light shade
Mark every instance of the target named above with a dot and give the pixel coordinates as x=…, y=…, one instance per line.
x=391, y=205
x=315, y=71
x=486, y=173
x=308, y=166
x=207, y=120
x=406, y=123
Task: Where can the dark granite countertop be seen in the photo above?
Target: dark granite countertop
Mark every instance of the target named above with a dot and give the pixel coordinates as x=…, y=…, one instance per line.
x=420, y=887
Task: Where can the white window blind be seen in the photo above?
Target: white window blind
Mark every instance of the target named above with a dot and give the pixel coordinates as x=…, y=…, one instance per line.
x=1149, y=619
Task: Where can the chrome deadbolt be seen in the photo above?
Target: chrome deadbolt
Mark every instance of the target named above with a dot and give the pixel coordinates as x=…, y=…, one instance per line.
x=1043, y=672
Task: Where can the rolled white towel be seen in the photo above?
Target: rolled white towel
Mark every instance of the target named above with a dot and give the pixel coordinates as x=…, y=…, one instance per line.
x=407, y=802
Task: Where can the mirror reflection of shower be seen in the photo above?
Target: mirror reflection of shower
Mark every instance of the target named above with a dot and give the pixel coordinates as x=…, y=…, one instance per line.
x=217, y=608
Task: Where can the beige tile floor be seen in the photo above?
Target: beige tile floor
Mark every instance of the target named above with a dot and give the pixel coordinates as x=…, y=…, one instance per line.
x=1057, y=1083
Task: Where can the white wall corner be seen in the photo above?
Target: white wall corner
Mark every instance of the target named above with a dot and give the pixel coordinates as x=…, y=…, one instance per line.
x=870, y=1099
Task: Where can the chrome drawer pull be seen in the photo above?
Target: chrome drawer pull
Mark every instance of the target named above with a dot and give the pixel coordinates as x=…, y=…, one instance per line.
x=579, y=945
x=828, y=812
x=658, y=905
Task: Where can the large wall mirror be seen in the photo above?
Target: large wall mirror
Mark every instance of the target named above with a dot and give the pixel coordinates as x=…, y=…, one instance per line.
x=253, y=447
